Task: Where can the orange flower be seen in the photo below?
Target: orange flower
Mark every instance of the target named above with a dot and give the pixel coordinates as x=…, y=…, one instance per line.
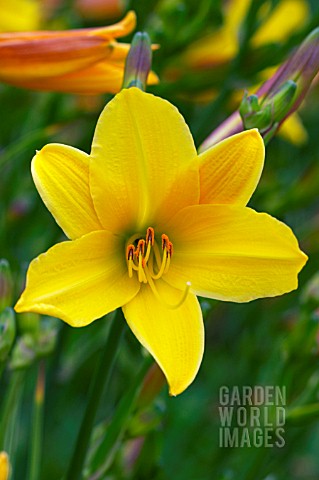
x=76, y=61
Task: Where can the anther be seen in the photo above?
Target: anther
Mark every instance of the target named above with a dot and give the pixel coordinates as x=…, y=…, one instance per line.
x=130, y=252
x=144, y=256
x=130, y=259
x=140, y=249
x=150, y=236
x=165, y=241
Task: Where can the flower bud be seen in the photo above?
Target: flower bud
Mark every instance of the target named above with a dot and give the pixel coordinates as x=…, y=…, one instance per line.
x=152, y=385
x=37, y=341
x=138, y=62
x=24, y=353
x=269, y=112
x=7, y=332
x=283, y=92
x=310, y=293
x=6, y=285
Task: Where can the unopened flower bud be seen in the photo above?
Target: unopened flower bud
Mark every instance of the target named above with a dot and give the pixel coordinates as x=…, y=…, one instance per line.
x=283, y=100
x=23, y=353
x=37, y=341
x=7, y=332
x=283, y=92
x=138, y=62
x=311, y=290
x=271, y=111
x=152, y=385
x=6, y=285
x=254, y=115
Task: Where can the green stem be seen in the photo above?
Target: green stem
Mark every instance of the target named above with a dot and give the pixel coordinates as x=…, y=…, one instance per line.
x=105, y=452
x=99, y=382
x=37, y=425
x=9, y=409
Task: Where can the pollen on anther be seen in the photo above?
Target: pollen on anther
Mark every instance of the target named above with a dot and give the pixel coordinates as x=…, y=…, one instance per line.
x=130, y=252
x=140, y=247
x=165, y=241
x=150, y=235
x=170, y=249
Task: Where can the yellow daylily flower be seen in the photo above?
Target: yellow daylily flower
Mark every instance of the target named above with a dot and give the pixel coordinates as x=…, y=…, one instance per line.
x=87, y=60
x=151, y=225
x=4, y=466
x=19, y=15
x=222, y=45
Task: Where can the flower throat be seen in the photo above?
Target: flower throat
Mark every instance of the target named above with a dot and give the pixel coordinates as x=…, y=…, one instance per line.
x=149, y=263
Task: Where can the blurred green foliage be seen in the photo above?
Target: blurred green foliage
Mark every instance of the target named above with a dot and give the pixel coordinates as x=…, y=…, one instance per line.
x=267, y=342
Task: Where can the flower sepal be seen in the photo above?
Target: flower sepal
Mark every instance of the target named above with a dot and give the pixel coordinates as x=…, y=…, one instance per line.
x=267, y=115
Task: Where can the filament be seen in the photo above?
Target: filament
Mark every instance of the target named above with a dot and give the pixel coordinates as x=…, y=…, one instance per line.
x=144, y=256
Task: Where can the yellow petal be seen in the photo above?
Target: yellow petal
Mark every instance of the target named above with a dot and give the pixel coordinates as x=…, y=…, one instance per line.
x=221, y=45
x=287, y=17
x=80, y=280
x=235, y=12
x=230, y=171
x=233, y=253
x=19, y=15
x=142, y=153
x=61, y=175
x=4, y=466
x=213, y=49
x=175, y=338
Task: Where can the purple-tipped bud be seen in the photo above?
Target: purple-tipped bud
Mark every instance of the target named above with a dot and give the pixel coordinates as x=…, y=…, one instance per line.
x=138, y=62
x=283, y=92
x=301, y=67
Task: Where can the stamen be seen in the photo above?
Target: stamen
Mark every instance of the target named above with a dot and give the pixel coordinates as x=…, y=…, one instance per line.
x=140, y=248
x=130, y=258
x=161, y=299
x=141, y=274
x=163, y=265
x=130, y=252
x=157, y=255
x=150, y=235
x=168, y=256
x=141, y=255
x=165, y=241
